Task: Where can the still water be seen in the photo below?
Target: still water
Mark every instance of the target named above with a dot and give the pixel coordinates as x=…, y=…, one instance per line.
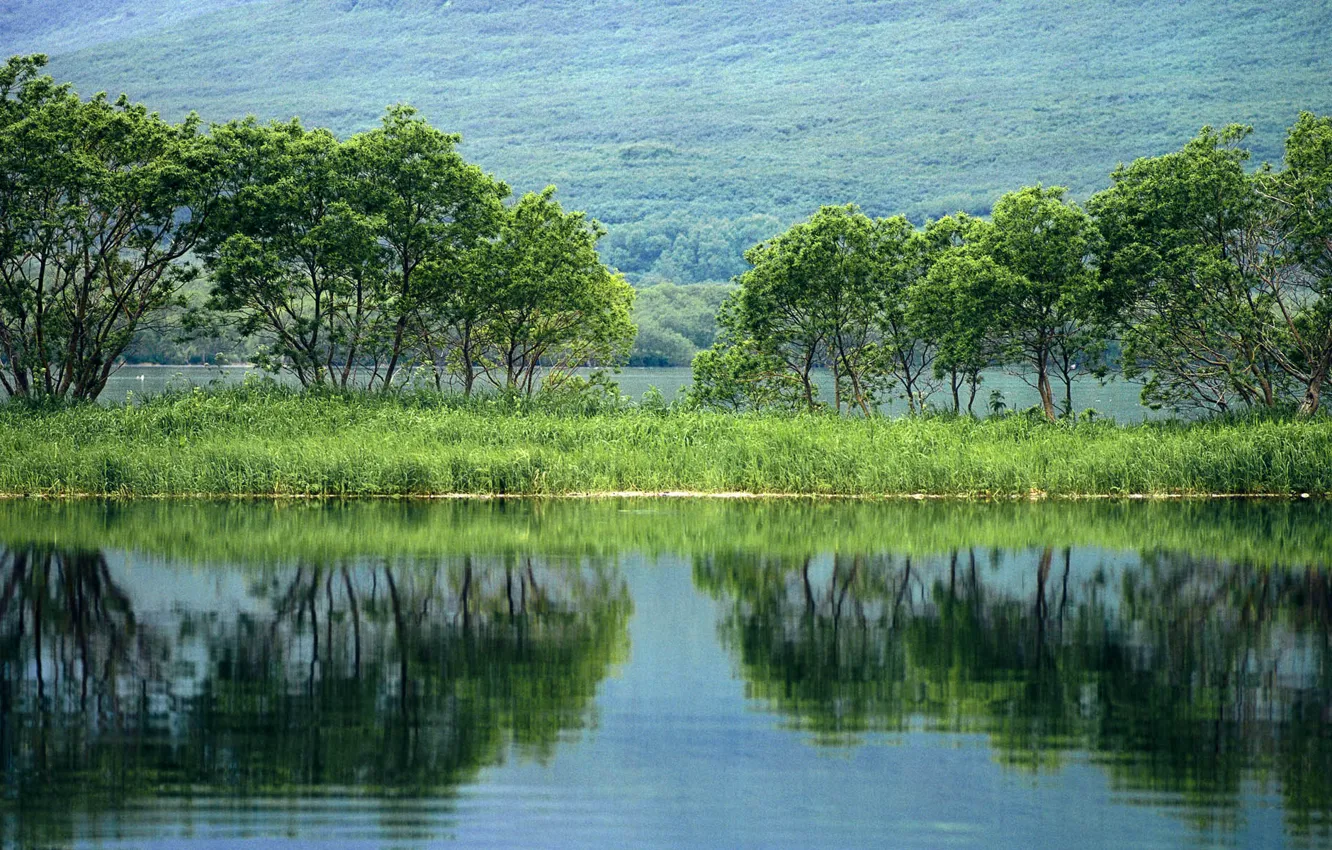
x=645, y=673
x=1118, y=398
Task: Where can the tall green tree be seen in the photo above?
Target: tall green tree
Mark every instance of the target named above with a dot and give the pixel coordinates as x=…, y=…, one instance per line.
x=431, y=205
x=1050, y=302
x=813, y=298
x=783, y=299
x=907, y=347
x=100, y=201
x=957, y=303
x=293, y=256
x=1302, y=195
x=553, y=304
x=953, y=301
x=1190, y=245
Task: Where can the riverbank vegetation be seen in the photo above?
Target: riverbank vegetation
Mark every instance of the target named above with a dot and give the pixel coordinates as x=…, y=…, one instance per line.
x=269, y=441
x=348, y=260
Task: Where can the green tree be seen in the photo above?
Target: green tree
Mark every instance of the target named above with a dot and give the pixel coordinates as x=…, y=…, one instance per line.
x=737, y=374
x=431, y=206
x=1302, y=194
x=813, y=298
x=291, y=254
x=957, y=304
x=555, y=305
x=100, y=200
x=953, y=308
x=907, y=346
x=1049, y=304
x=1189, y=243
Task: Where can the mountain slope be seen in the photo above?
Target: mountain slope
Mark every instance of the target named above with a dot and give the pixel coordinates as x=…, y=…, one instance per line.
x=670, y=113
x=60, y=26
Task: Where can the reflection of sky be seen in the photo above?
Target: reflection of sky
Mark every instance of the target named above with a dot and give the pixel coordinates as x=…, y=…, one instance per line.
x=696, y=765
x=676, y=756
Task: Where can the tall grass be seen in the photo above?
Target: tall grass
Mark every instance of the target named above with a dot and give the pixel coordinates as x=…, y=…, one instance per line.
x=267, y=441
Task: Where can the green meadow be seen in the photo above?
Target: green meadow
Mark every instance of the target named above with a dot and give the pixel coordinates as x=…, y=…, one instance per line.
x=269, y=441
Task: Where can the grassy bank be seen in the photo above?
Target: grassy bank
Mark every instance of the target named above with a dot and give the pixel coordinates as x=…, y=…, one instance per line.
x=267, y=441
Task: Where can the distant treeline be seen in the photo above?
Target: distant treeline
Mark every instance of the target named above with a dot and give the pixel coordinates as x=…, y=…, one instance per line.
x=385, y=256
x=1214, y=283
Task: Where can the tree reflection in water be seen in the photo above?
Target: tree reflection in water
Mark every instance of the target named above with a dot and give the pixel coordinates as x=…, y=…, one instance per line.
x=1177, y=675
x=389, y=680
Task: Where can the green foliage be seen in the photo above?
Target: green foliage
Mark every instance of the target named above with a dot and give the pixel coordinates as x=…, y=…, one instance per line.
x=350, y=259
x=825, y=293
x=956, y=304
x=264, y=440
x=1302, y=194
x=294, y=251
x=1173, y=225
x=550, y=301
x=431, y=206
x=734, y=375
x=1049, y=301
x=675, y=322
x=100, y=204
x=684, y=249
x=348, y=262
x=876, y=302
x=1224, y=272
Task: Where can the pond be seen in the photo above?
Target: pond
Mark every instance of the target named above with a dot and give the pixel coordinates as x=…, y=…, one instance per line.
x=654, y=673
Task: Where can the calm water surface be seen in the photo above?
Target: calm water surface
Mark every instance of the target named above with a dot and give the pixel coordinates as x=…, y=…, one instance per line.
x=666, y=674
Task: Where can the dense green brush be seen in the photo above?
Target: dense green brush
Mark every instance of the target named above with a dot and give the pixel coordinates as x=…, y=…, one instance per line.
x=271, y=442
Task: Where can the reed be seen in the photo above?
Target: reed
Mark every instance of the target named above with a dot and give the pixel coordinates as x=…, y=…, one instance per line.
x=267, y=441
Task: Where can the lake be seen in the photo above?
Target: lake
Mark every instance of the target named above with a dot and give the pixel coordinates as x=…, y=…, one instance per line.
x=653, y=673
x=1118, y=398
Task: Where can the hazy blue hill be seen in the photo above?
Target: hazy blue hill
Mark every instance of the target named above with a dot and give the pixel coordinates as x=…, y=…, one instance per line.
x=667, y=113
x=51, y=26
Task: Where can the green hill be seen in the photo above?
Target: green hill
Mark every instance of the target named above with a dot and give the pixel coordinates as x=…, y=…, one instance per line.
x=690, y=127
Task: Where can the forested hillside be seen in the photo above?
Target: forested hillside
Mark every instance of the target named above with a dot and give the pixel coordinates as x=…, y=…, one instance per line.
x=692, y=129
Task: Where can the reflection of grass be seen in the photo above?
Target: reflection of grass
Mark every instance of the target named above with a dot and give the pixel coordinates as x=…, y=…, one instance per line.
x=1267, y=533
x=268, y=441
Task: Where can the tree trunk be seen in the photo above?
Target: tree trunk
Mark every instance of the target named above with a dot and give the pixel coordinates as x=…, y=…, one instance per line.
x=1068, y=392
x=1313, y=392
x=1043, y=386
